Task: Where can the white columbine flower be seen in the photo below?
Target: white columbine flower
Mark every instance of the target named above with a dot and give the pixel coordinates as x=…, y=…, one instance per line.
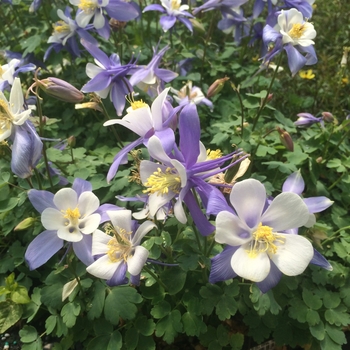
x=120, y=249
x=73, y=215
x=294, y=29
x=89, y=9
x=12, y=113
x=63, y=29
x=8, y=70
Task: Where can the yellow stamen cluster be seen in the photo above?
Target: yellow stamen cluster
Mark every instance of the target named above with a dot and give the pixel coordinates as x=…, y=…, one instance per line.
x=72, y=215
x=175, y=4
x=264, y=241
x=297, y=30
x=88, y=6
x=5, y=117
x=161, y=182
x=119, y=246
x=135, y=104
x=214, y=154
x=61, y=27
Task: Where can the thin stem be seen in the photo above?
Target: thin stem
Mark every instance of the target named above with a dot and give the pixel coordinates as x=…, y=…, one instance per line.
x=334, y=235
x=149, y=271
x=264, y=102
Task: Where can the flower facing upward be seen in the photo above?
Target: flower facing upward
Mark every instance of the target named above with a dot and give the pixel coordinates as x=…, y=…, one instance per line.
x=12, y=112
x=120, y=249
x=258, y=250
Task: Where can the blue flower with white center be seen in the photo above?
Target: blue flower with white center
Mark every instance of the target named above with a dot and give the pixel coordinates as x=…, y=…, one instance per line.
x=258, y=249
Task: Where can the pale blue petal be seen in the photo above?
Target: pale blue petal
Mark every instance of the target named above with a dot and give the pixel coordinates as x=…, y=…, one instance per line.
x=82, y=250
x=221, y=269
x=80, y=186
x=294, y=183
x=41, y=200
x=271, y=280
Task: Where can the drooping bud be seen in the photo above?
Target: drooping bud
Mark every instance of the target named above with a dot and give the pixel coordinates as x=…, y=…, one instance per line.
x=71, y=141
x=328, y=117
x=26, y=223
x=216, y=87
x=60, y=89
x=285, y=139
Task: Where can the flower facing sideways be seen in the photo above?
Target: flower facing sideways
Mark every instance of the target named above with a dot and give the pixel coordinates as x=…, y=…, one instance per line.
x=257, y=249
x=119, y=249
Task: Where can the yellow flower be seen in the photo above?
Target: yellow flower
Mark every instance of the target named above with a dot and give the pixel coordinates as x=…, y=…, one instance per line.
x=306, y=74
x=345, y=80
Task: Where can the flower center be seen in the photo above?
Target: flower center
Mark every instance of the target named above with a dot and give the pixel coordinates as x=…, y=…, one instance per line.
x=214, y=154
x=175, y=4
x=88, y=6
x=264, y=240
x=297, y=31
x=72, y=215
x=61, y=27
x=5, y=117
x=119, y=246
x=138, y=104
x=162, y=182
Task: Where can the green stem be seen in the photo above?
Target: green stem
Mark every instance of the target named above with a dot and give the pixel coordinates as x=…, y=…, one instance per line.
x=334, y=235
x=149, y=271
x=338, y=144
x=264, y=102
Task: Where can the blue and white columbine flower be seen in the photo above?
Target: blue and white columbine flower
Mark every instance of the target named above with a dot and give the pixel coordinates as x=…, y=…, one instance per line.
x=257, y=249
x=70, y=215
x=293, y=34
x=119, y=249
x=174, y=11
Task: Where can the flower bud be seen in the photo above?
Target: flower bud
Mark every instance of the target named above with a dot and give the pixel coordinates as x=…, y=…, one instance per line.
x=328, y=117
x=197, y=25
x=91, y=105
x=344, y=59
x=71, y=141
x=286, y=139
x=61, y=90
x=23, y=225
x=216, y=87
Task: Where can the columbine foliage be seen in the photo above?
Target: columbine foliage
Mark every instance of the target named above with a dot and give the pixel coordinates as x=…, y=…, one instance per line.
x=223, y=223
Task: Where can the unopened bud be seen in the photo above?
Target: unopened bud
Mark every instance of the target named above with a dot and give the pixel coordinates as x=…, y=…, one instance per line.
x=344, y=59
x=91, y=105
x=197, y=25
x=60, y=89
x=216, y=87
x=328, y=117
x=269, y=97
x=286, y=139
x=116, y=25
x=71, y=141
x=319, y=160
x=23, y=225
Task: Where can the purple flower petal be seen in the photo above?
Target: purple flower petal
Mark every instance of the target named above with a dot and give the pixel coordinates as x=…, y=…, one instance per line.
x=296, y=60
x=41, y=200
x=119, y=276
x=317, y=204
x=167, y=22
x=80, y=186
x=42, y=248
x=154, y=7
x=82, y=250
x=271, y=280
x=294, y=183
x=221, y=269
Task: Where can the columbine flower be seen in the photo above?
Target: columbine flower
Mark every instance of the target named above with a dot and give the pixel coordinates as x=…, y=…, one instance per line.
x=260, y=4
x=12, y=113
x=69, y=215
x=189, y=93
x=174, y=11
x=7, y=72
x=258, y=250
x=231, y=22
x=294, y=35
x=307, y=119
x=304, y=6
x=151, y=78
x=120, y=249
x=64, y=34
x=107, y=77
x=145, y=122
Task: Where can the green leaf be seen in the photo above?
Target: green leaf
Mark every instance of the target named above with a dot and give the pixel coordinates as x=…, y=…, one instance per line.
x=28, y=334
x=36, y=345
x=145, y=326
x=222, y=335
x=131, y=338
x=10, y=313
x=98, y=301
x=20, y=295
x=328, y=344
x=115, y=342
x=317, y=331
x=331, y=300
x=30, y=44
x=98, y=343
x=160, y=310
x=312, y=317
x=297, y=310
x=335, y=334
x=31, y=309
x=211, y=294
x=52, y=296
x=313, y=301
x=120, y=302
x=174, y=280
x=236, y=341
x=50, y=324
x=338, y=316
x=169, y=326
x=69, y=313
x=193, y=324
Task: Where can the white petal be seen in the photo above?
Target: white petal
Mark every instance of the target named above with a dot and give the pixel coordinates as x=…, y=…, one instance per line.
x=156, y=201
x=147, y=168
x=248, y=198
x=231, y=230
x=179, y=212
x=88, y=203
x=70, y=233
x=294, y=255
x=52, y=219
x=16, y=97
x=99, y=242
x=142, y=231
x=68, y=289
x=92, y=70
x=138, y=260
x=90, y=223
x=99, y=20
x=121, y=219
x=83, y=19
x=103, y=268
x=156, y=150
x=66, y=198
x=254, y=269
x=157, y=109
x=181, y=170
x=286, y=211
